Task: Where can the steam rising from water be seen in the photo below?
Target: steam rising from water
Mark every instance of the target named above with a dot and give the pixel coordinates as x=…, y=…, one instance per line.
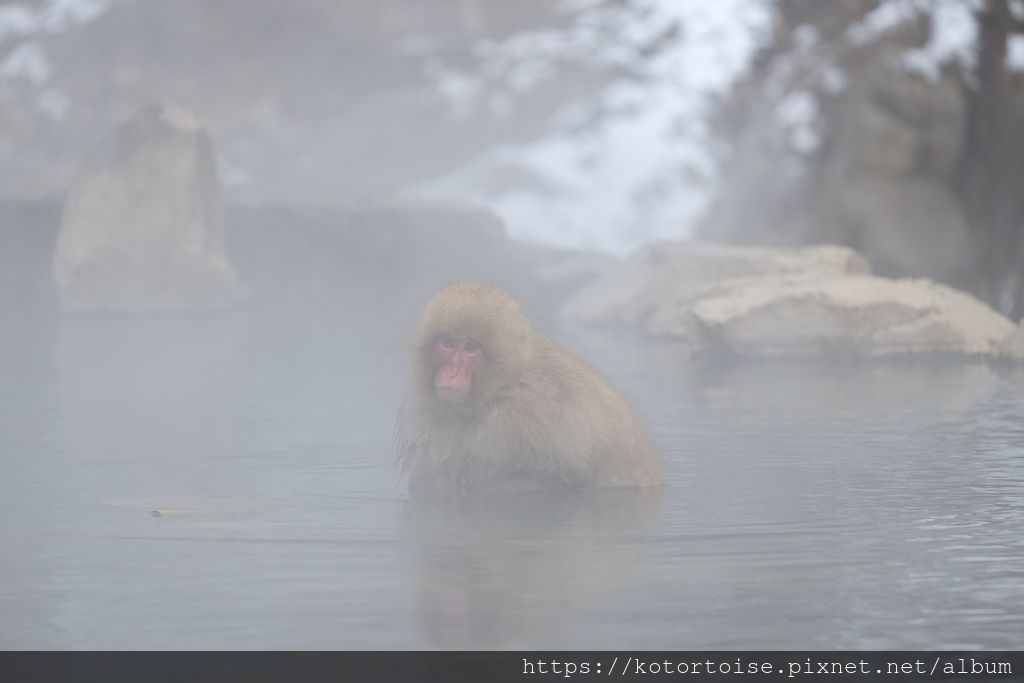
x=633, y=163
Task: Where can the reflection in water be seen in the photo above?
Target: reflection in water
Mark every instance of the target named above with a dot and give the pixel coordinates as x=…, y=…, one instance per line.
x=810, y=505
x=509, y=569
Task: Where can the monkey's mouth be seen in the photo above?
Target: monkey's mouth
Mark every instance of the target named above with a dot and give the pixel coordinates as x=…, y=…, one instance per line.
x=452, y=394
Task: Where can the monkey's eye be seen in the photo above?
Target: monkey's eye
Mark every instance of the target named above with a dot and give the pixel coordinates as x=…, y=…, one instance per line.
x=472, y=346
x=446, y=342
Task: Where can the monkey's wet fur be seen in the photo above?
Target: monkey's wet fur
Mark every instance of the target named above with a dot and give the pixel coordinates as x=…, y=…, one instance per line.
x=495, y=404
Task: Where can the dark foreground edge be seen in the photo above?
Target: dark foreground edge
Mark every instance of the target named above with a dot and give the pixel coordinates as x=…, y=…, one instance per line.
x=525, y=667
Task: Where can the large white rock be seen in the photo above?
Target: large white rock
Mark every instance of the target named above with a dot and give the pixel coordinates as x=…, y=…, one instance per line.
x=142, y=229
x=860, y=315
x=632, y=289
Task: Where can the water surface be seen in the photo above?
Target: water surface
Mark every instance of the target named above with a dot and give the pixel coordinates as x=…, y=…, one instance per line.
x=204, y=483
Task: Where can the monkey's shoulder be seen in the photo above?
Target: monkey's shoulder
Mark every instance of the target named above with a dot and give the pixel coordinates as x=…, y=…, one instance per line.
x=567, y=403
x=569, y=378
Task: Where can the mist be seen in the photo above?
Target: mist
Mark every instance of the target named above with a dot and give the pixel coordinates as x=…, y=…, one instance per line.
x=789, y=233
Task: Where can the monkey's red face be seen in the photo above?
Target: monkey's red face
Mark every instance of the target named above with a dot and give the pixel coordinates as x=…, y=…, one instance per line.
x=456, y=358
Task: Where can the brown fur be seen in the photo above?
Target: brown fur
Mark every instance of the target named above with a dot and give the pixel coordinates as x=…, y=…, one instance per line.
x=536, y=416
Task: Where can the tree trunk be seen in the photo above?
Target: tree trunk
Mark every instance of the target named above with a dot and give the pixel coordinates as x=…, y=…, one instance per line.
x=990, y=178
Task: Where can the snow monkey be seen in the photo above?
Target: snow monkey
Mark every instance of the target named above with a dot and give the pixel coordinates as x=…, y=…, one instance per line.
x=495, y=404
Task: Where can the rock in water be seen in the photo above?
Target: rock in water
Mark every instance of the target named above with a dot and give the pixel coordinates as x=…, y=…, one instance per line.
x=632, y=290
x=142, y=229
x=850, y=315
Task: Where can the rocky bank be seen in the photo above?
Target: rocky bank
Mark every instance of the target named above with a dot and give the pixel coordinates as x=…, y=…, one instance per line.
x=144, y=230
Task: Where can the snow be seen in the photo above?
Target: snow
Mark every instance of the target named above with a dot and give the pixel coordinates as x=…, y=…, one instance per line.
x=641, y=161
x=23, y=29
x=888, y=16
x=798, y=114
x=55, y=16
x=16, y=20
x=1015, y=53
x=27, y=62
x=953, y=38
x=646, y=165
x=953, y=32
x=59, y=15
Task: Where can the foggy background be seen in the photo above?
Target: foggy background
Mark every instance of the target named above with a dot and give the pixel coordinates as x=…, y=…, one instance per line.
x=789, y=231
x=893, y=127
